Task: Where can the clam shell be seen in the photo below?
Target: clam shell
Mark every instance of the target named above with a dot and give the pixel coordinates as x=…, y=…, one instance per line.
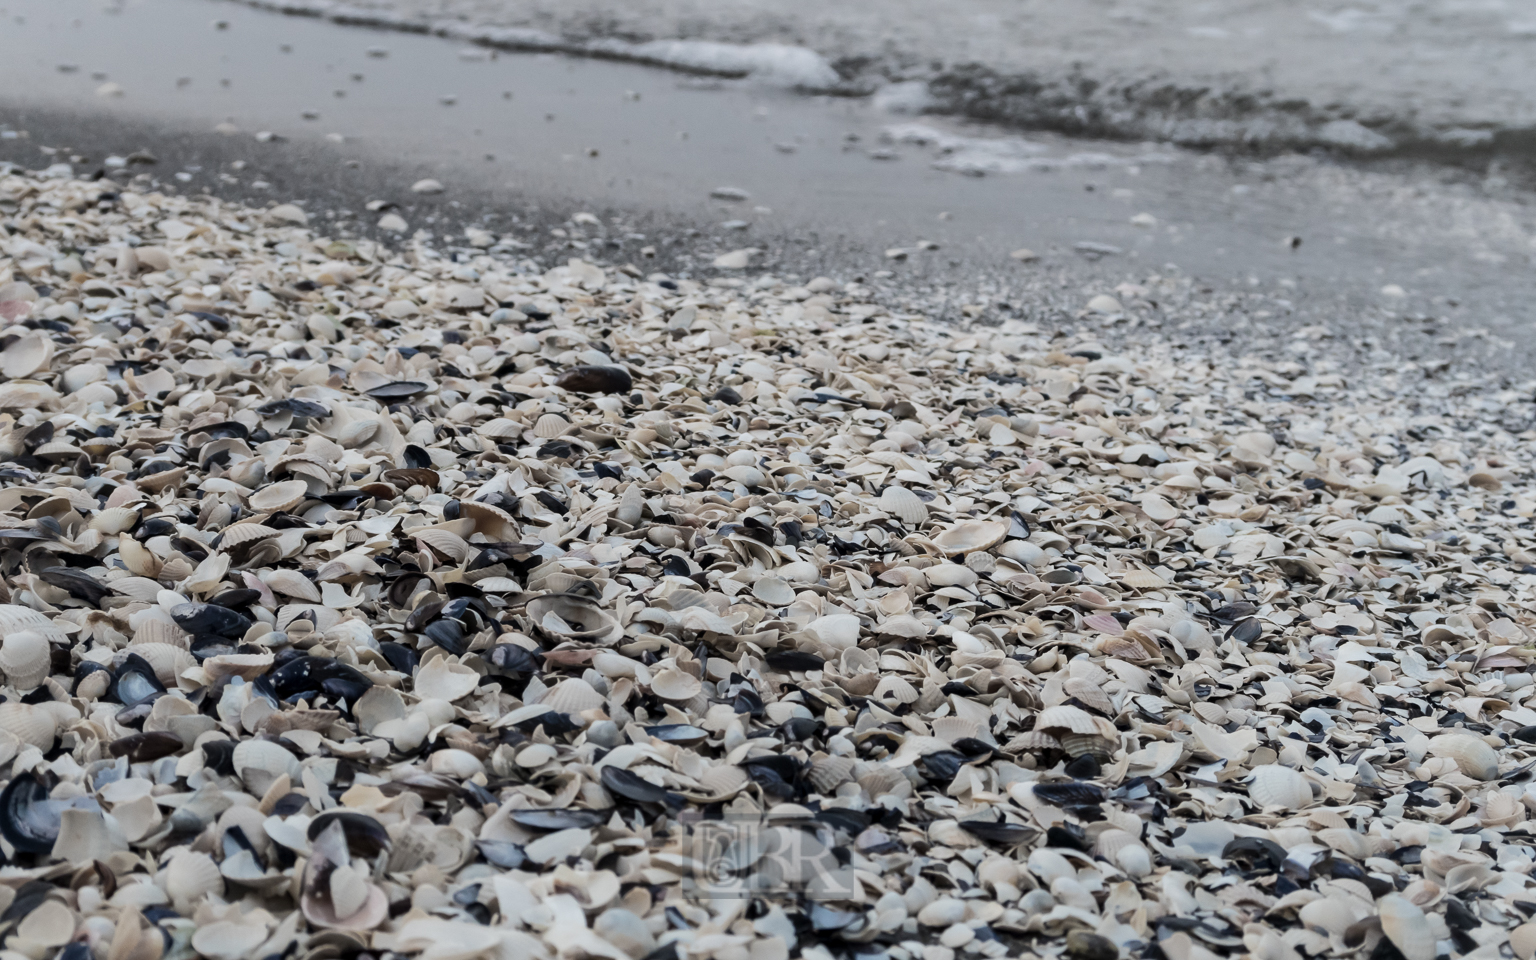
x=501, y=429
x=14, y=618
x=1092, y=745
x=28, y=723
x=240, y=534
x=1403, y=923
x=278, y=497
x=1522, y=940
x=292, y=583
x=259, y=763
x=445, y=678
x=564, y=616
x=1067, y=718
x=114, y=520
x=167, y=659
x=26, y=355
x=26, y=658
x=897, y=689
x=1274, y=785
x=674, y=684
x=189, y=877
x=1473, y=756
x=572, y=695
x=970, y=535
x=904, y=504
x=1126, y=851
x=773, y=591
x=550, y=426
x=137, y=558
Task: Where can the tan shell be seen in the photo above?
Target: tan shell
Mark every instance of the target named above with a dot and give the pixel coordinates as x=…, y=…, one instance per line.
x=280, y=496
x=1473, y=756
x=189, y=877
x=1329, y=914
x=243, y=533
x=493, y=522
x=1274, y=785
x=1092, y=745
x=357, y=433
x=1406, y=926
x=1089, y=694
x=1067, y=718
x=1126, y=851
x=260, y=762
x=28, y=723
x=572, y=695
x=26, y=658
x=971, y=535
x=158, y=631
x=137, y=558
x=674, y=684
x=897, y=689
x=501, y=429
x=1522, y=940
x=26, y=356
x=550, y=426
x=773, y=591
x=565, y=616
x=14, y=618
x=114, y=520
x=445, y=678
x=904, y=504
x=292, y=583
x=167, y=659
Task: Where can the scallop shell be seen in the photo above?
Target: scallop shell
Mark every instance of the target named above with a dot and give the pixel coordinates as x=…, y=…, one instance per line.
x=501, y=429
x=572, y=695
x=445, y=542
x=829, y=773
x=1126, y=851
x=191, y=876
x=243, y=533
x=167, y=659
x=970, y=535
x=1403, y=923
x=903, y=503
x=292, y=583
x=491, y=521
x=727, y=779
x=895, y=688
x=357, y=433
x=14, y=617
x=550, y=426
x=137, y=558
x=164, y=480
x=26, y=658
x=28, y=723
x=153, y=630
x=1092, y=745
x=1473, y=756
x=114, y=520
x=674, y=684
x=1068, y=718
x=1089, y=694
x=1274, y=785
x=278, y=497
x=260, y=762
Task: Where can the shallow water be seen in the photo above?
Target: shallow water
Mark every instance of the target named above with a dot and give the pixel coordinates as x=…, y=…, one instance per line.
x=819, y=171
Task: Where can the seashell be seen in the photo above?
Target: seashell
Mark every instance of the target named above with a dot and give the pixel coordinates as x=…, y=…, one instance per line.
x=1273, y=785
x=292, y=583
x=240, y=534
x=15, y=618
x=571, y=696
x=169, y=660
x=191, y=876
x=829, y=773
x=897, y=689
x=951, y=575
x=550, y=426
x=26, y=657
x=357, y=433
x=566, y=616
x=595, y=379
x=279, y=497
x=155, y=630
x=137, y=558
x=114, y=520
x=970, y=535
x=501, y=429
x=28, y=723
x=1522, y=940
x=26, y=355
x=674, y=684
x=1089, y=694
x=1126, y=851
x=773, y=591
x=445, y=678
x=1092, y=745
x=1403, y=923
x=1473, y=756
x=904, y=504
x=1067, y=718
x=259, y=763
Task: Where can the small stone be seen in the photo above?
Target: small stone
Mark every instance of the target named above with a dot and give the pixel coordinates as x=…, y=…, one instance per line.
x=426, y=186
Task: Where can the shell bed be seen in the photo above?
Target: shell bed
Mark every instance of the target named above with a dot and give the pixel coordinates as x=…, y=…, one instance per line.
x=366, y=602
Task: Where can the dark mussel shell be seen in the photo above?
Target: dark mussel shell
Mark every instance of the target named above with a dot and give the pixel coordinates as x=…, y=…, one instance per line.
x=560, y=819
x=211, y=646
x=941, y=767
x=448, y=634
x=778, y=776
x=595, y=379
x=997, y=831
x=77, y=585
x=1071, y=793
x=235, y=599
x=306, y=676
x=554, y=724
x=416, y=458
x=398, y=390
x=199, y=618
x=633, y=787
x=145, y=747
x=366, y=837
x=503, y=853
x=794, y=660
x=135, y=682
x=513, y=658
x=219, y=756
x=400, y=657
x=27, y=819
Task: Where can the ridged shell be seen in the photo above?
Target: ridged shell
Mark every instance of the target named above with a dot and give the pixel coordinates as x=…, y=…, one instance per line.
x=773, y=591
x=25, y=657
x=727, y=779
x=14, y=617
x=493, y=522
x=357, y=433
x=114, y=520
x=904, y=504
x=1089, y=694
x=242, y=533
x=501, y=429
x=167, y=659
x=158, y=631
x=190, y=877
x=445, y=542
x=28, y=723
x=1274, y=785
x=277, y=497
x=550, y=426
x=1068, y=718
x=1126, y=851
x=164, y=480
x=572, y=695
x=895, y=688
x=828, y=773
x=674, y=684
x=137, y=558
x=139, y=588
x=292, y=583
x=57, y=450
x=1092, y=745
x=954, y=729
x=260, y=762
x=1473, y=756
x=968, y=535
x=563, y=616
x=1406, y=926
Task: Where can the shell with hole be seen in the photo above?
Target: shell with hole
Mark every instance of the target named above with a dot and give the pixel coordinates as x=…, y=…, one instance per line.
x=567, y=616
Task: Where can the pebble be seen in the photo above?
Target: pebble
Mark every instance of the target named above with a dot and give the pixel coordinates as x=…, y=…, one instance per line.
x=426, y=186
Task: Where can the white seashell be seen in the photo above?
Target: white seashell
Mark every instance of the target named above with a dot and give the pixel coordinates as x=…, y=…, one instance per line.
x=28, y=723
x=572, y=695
x=242, y=533
x=445, y=678
x=378, y=705
x=1406, y=926
x=169, y=660
x=115, y=520
x=292, y=583
x=278, y=497
x=260, y=762
x=1126, y=851
x=1473, y=756
x=971, y=535
x=1274, y=785
x=14, y=618
x=837, y=630
x=773, y=591
x=897, y=689
x=564, y=616
x=1328, y=914
x=26, y=658
x=550, y=426
x=1522, y=940
x=1065, y=717
x=903, y=503
x=674, y=684
x=227, y=939
x=191, y=876
x=26, y=355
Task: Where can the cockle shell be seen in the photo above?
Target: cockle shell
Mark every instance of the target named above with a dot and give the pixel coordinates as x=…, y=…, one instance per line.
x=674, y=684
x=571, y=696
x=904, y=504
x=1274, y=785
x=278, y=497
x=26, y=657
x=28, y=723
x=190, y=877
x=292, y=583
x=971, y=535
x=260, y=762
x=550, y=426
x=1473, y=756
x=167, y=659
x=565, y=616
x=1403, y=923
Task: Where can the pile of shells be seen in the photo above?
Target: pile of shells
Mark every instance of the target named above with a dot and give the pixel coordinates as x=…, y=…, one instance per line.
x=370, y=601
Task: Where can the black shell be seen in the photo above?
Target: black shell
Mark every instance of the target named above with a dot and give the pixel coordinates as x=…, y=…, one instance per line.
x=596, y=379
x=25, y=817
x=200, y=618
